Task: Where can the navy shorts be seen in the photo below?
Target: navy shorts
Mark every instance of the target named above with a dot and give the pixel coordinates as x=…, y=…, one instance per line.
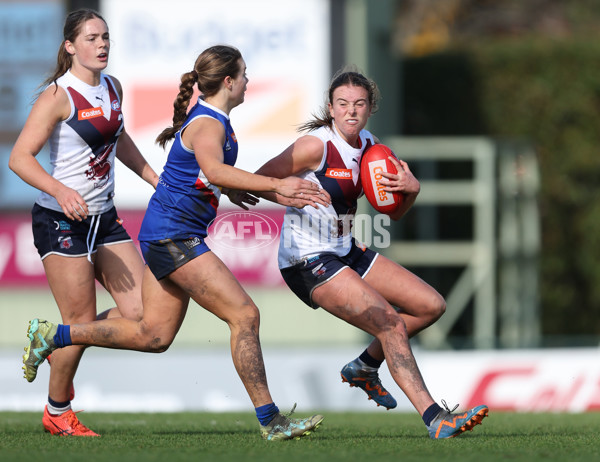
x=306, y=276
x=165, y=256
x=54, y=233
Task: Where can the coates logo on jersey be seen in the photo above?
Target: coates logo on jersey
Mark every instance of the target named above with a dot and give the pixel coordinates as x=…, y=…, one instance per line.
x=242, y=231
x=90, y=113
x=339, y=173
x=115, y=105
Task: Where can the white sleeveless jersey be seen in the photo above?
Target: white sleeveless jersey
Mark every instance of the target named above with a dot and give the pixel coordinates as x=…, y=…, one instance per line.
x=309, y=231
x=83, y=147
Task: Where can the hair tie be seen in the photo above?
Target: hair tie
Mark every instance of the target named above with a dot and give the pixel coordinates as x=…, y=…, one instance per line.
x=194, y=74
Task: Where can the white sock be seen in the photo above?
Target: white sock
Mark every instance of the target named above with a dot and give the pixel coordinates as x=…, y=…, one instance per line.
x=58, y=410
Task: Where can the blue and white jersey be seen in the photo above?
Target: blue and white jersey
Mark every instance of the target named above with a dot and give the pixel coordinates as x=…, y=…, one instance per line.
x=309, y=231
x=185, y=202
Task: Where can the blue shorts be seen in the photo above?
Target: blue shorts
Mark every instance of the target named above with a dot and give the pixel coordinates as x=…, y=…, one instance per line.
x=54, y=233
x=165, y=256
x=306, y=276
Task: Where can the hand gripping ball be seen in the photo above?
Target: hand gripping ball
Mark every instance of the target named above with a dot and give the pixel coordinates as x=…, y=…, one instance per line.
x=375, y=161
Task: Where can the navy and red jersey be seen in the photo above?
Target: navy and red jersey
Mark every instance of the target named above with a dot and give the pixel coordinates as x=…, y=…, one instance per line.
x=310, y=231
x=83, y=147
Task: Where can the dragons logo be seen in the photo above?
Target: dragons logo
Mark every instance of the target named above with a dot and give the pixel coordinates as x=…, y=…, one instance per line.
x=99, y=170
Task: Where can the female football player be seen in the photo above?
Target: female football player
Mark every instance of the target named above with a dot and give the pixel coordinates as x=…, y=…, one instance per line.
x=326, y=267
x=179, y=263
x=76, y=228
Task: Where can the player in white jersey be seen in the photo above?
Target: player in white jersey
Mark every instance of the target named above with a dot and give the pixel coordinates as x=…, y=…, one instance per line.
x=326, y=229
x=179, y=264
x=77, y=231
x=83, y=146
x=326, y=267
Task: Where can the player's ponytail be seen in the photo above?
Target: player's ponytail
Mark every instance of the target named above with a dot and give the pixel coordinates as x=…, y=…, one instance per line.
x=180, y=105
x=210, y=69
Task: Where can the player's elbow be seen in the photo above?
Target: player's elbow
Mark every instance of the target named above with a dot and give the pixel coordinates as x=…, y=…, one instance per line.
x=13, y=164
x=214, y=173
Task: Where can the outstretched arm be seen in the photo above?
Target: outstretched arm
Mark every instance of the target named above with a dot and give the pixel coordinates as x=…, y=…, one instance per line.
x=206, y=137
x=303, y=155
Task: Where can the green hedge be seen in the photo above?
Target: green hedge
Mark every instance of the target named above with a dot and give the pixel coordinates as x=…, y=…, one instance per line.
x=549, y=93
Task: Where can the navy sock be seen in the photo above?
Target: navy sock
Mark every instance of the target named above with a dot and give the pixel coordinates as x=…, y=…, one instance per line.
x=266, y=413
x=431, y=412
x=366, y=358
x=57, y=403
x=62, y=338
x=55, y=408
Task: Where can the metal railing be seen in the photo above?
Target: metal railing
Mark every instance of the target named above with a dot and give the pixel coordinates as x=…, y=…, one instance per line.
x=499, y=260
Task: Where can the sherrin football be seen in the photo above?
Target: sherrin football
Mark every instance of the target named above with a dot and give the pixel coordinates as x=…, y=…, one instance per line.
x=373, y=163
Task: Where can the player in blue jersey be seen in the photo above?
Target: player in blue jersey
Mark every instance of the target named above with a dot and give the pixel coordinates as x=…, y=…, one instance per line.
x=76, y=228
x=325, y=267
x=180, y=265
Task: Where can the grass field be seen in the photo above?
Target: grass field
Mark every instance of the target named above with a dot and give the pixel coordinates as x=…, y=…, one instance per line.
x=342, y=437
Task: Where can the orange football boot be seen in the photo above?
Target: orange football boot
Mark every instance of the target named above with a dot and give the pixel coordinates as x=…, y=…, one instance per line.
x=66, y=424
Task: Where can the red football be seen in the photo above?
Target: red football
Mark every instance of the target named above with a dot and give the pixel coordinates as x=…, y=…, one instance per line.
x=375, y=161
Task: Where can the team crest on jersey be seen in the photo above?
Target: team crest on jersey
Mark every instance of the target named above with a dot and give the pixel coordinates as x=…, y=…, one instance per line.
x=115, y=105
x=65, y=242
x=99, y=167
x=90, y=113
x=233, y=137
x=319, y=270
x=339, y=173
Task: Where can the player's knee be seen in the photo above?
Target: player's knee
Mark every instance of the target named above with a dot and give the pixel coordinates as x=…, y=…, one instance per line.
x=158, y=345
x=247, y=316
x=253, y=315
x=154, y=339
x=385, y=319
x=436, y=307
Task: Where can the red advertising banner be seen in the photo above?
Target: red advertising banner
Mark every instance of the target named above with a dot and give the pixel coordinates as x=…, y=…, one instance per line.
x=246, y=241
x=20, y=263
